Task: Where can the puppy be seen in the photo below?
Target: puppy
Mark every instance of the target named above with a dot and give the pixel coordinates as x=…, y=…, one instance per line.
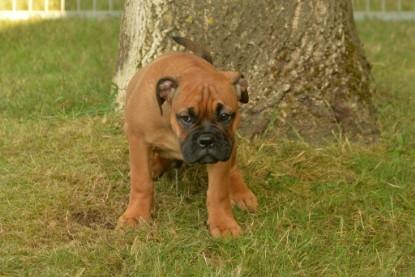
x=180, y=107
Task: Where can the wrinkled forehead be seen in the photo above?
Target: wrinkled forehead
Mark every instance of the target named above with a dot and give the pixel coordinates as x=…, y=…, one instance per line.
x=204, y=97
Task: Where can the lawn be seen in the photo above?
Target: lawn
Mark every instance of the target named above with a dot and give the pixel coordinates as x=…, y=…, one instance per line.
x=344, y=209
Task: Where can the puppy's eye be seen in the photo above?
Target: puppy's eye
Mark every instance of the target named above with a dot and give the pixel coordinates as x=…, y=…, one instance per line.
x=186, y=119
x=225, y=117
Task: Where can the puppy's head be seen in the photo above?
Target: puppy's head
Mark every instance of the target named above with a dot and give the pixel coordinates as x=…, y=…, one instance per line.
x=204, y=112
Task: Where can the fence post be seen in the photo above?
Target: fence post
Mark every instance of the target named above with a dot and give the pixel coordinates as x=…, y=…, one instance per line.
x=62, y=5
x=399, y=5
x=110, y=5
x=14, y=5
x=367, y=5
x=46, y=5
x=30, y=4
x=94, y=5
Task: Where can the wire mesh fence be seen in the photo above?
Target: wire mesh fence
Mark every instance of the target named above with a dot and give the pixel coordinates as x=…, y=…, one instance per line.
x=24, y=9
x=384, y=9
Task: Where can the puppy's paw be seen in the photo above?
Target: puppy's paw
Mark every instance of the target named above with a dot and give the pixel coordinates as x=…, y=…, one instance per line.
x=224, y=227
x=129, y=221
x=245, y=200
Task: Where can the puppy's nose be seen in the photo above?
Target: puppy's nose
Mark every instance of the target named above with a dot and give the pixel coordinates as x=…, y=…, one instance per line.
x=206, y=140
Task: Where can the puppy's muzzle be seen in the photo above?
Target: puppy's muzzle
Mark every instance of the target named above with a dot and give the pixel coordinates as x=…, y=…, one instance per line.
x=206, y=146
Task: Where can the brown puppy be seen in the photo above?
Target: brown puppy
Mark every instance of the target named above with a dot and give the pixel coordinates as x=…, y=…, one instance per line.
x=179, y=107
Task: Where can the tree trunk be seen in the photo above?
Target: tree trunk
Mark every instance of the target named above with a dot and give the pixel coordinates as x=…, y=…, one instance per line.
x=305, y=66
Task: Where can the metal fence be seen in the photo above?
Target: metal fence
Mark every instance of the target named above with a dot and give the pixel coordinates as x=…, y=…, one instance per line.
x=25, y=9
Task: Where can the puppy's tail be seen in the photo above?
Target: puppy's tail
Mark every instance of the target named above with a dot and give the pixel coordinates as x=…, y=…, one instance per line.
x=200, y=50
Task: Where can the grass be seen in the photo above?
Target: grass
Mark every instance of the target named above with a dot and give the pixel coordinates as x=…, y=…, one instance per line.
x=343, y=209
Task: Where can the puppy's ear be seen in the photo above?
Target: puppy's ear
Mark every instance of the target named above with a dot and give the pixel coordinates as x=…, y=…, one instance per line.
x=240, y=85
x=165, y=89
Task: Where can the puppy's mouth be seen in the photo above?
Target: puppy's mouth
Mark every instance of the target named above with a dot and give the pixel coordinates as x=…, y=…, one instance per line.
x=206, y=158
x=206, y=147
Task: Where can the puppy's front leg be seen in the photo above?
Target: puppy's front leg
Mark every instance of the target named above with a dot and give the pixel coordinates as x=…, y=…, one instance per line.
x=220, y=217
x=141, y=191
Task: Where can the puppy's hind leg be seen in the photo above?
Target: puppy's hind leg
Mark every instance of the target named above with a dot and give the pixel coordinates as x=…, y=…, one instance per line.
x=159, y=165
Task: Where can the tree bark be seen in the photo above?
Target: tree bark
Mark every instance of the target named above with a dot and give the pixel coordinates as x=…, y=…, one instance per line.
x=306, y=70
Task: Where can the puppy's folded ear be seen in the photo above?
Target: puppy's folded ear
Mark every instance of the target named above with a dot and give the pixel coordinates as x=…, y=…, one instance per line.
x=240, y=85
x=165, y=90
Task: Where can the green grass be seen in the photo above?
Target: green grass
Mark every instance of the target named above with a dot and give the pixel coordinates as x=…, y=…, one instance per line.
x=340, y=210
x=60, y=68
